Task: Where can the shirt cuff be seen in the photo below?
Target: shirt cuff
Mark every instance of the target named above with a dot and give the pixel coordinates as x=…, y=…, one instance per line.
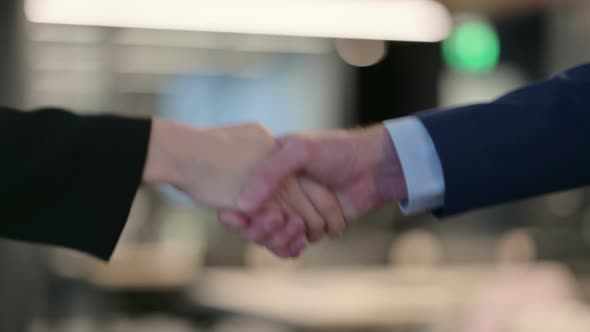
x=420, y=163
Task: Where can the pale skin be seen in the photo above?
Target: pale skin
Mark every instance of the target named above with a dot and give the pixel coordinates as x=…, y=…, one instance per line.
x=279, y=193
x=212, y=165
x=359, y=167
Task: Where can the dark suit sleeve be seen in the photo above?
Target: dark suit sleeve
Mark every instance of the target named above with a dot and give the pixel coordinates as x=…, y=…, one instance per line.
x=533, y=141
x=69, y=180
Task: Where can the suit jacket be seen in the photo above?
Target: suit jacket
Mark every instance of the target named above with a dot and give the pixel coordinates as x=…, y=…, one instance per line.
x=69, y=180
x=533, y=141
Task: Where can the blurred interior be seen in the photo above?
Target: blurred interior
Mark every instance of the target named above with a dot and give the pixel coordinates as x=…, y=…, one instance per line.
x=516, y=268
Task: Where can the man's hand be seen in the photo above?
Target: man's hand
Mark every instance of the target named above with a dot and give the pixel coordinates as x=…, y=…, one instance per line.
x=360, y=167
x=211, y=166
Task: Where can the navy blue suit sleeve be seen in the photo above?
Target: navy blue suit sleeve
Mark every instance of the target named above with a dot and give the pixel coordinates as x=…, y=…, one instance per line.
x=69, y=180
x=533, y=141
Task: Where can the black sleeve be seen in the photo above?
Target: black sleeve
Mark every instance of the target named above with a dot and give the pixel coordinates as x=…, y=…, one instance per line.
x=69, y=180
x=533, y=141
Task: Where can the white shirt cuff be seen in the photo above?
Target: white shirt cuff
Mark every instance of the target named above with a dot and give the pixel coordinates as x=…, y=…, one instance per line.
x=420, y=163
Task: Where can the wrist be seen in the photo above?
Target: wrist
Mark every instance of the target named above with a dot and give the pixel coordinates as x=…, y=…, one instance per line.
x=161, y=165
x=388, y=175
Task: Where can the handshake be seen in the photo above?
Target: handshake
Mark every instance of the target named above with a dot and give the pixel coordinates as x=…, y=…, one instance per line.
x=282, y=193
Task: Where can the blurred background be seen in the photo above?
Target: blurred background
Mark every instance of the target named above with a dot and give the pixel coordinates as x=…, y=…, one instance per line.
x=297, y=65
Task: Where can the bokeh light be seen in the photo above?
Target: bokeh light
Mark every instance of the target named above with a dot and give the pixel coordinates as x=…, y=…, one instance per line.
x=361, y=53
x=473, y=47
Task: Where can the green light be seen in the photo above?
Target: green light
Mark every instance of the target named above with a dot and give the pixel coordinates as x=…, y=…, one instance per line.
x=473, y=47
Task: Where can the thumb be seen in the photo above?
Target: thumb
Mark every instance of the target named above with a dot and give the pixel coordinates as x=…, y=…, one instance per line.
x=233, y=219
x=290, y=157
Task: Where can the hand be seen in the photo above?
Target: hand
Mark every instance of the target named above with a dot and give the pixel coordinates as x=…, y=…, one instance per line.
x=360, y=167
x=211, y=166
x=268, y=228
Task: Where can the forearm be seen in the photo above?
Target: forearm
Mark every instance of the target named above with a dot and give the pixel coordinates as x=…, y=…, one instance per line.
x=422, y=169
x=161, y=166
x=530, y=142
x=69, y=180
x=390, y=180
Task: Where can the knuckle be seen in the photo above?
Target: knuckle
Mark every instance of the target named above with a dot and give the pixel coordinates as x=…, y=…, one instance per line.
x=304, y=149
x=299, y=146
x=255, y=126
x=254, y=131
x=326, y=203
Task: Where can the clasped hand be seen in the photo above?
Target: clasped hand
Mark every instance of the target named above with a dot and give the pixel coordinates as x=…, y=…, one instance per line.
x=281, y=193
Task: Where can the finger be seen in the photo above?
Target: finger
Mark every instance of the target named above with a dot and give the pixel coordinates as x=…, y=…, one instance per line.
x=293, y=228
x=263, y=225
x=294, y=196
x=233, y=220
x=292, y=249
x=280, y=240
x=297, y=246
x=255, y=234
x=282, y=252
x=295, y=225
x=272, y=218
x=280, y=249
x=327, y=206
x=292, y=224
x=290, y=157
x=271, y=221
